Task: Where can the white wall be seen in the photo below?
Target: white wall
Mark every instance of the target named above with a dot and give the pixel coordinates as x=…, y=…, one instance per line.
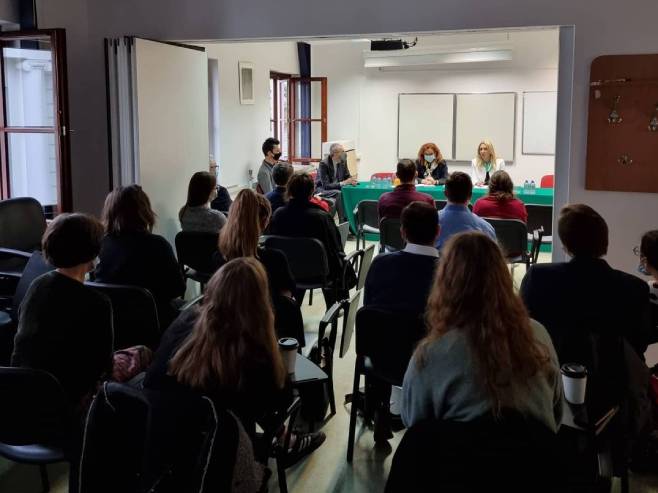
x=243, y=128
x=363, y=103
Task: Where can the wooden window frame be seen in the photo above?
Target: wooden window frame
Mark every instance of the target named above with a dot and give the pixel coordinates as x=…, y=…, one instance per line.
x=294, y=83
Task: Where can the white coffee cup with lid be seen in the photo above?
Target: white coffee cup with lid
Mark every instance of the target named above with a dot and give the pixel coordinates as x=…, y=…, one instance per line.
x=288, y=347
x=574, y=382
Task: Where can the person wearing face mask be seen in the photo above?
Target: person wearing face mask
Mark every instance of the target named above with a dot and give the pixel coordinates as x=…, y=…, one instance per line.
x=333, y=174
x=272, y=152
x=485, y=164
x=430, y=165
x=648, y=253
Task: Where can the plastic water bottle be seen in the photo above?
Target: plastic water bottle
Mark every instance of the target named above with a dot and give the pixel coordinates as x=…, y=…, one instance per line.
x=532, y=186
x=389, y=183
x=526, y=186
x=371, y=184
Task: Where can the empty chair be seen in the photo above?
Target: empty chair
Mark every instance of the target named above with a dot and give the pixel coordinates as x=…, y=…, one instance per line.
x=22, y=224
x=35, y=418
x=390, y=238
x=541, y=216
x=134, y=315
x=344, y=230
x=115, y=432
x=546, y=181
x=383, y=175
x=195, y=252
x=512, y=236
x=367, y=220
x=385, y=342
x=360, y=261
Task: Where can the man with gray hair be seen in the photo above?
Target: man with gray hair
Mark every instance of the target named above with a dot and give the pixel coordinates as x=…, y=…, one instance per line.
x=332, y=175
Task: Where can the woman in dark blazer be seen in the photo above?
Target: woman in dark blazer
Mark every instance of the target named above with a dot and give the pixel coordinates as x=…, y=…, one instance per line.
x=430, y=165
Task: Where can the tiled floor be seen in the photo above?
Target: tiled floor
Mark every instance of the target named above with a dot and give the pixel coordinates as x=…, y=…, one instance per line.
x=326, y=469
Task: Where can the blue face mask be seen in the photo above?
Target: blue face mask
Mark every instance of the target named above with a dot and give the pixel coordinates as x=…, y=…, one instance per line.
x=429, y=157
x=642, y=269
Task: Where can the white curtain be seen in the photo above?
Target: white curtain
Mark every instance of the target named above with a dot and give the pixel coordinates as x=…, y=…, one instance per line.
x=122, y=101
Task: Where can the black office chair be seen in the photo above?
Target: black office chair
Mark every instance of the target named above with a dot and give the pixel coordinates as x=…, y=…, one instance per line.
x=360, y=260
x=35, y=267
x=35, y=419
x=134, y=313
x=512, y=453
x=385, y=342
x=195, y=252
x=22, y=224
x=512, y=236
x=540, y=217
x=367, y=220
x=390, y=238
x=344, y=230
x=116, y=432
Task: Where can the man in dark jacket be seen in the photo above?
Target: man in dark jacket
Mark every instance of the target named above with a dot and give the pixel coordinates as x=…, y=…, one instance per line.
x=332, y=175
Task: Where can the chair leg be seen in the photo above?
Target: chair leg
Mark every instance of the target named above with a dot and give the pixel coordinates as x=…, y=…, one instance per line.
x=45, y=483
x=281, y=471
x=310, y=297
x=353, y=413
x=332, y=398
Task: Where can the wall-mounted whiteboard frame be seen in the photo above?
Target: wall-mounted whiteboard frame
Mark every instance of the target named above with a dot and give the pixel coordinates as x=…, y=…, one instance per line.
x=466, y=139
x=539, y=123
x=440, y=111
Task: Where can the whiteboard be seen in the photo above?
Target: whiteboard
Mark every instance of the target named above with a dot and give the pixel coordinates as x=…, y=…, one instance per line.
x=485, y=117
x=539, y=122
x=425, y=118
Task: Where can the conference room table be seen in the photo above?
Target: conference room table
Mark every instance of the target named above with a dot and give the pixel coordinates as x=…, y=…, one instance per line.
x=353, y=194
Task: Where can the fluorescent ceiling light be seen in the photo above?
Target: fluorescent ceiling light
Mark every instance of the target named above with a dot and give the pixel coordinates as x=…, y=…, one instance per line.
x=438, y=58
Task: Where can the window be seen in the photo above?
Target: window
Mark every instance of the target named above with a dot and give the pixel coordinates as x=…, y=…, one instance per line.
x=279, y=111
x=34, y=143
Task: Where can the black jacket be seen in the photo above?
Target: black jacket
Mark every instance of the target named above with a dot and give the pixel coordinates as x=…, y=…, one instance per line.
x=588, y=295
x=223, y=200
x=330, y=174
x=439, y=173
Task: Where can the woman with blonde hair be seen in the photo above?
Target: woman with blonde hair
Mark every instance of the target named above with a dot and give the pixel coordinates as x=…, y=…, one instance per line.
x=485, y=163
x=430, y=165
x=482, y=354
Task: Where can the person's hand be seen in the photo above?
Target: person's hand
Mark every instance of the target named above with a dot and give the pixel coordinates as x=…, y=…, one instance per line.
x=428, y=181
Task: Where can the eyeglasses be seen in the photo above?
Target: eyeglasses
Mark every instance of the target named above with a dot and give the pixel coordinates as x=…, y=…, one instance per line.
x=636, y=251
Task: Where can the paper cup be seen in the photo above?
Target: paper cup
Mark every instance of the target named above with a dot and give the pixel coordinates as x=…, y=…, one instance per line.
x=288, y=347
x=574, y=382
x=396, y=400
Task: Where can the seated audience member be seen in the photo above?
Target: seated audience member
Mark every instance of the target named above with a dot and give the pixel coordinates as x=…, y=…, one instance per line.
x=248, y=220
x=196, y=214
x=272, y=152
x=333, y=173
x=281, y=174
x=64, y=326
x=455, y=217
x=648, y=252
x=401, y=281
x=131, y=254
x=300, y=218
x=391, y=203
x=482, y=354
x=501, y=203
x=226, y=349
x=586, y=295
x=431, y=167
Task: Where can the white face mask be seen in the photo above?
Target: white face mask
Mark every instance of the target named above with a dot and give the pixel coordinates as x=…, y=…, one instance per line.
x=429, y=157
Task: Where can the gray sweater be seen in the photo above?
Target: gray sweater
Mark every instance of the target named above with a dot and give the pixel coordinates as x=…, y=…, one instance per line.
x=447, y=387
x=203, y=219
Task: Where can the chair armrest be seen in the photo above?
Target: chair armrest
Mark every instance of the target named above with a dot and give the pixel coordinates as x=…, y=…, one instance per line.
x=10, y=252
x=190, y=303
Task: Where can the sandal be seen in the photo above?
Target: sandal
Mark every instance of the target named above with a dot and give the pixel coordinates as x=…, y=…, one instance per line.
x=303, y=446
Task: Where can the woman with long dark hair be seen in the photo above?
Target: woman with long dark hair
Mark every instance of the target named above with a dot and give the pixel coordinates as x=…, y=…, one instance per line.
x=196, y=214
x=501, y=203
x=482, y=353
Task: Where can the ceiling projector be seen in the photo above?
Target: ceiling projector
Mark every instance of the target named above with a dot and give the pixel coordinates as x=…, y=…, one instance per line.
x=391, y=44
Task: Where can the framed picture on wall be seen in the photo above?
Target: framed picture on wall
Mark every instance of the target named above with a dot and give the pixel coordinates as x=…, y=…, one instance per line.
x=246, y=74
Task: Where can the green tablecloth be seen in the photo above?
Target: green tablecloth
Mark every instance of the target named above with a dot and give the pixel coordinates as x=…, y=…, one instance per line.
x=352, y=195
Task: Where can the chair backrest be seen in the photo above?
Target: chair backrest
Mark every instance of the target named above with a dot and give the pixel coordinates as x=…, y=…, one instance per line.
x=546, y=181
x=390, y=237
x=388, y=339
x=383, y=175
x=22, y=224
x=440, y=204
x=540, y=216
x=134, y=314
x=367, y=214
x=195, y=249
x=512, y=236
x=364, y=267
x=307, y=257
x=116, y=432
x=34, y=407
x=512, y=453
x=350, y=307
x=344, y=229
x=35, y=267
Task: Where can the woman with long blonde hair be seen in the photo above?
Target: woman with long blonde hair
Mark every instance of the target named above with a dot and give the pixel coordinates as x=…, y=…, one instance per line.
x=482, y=353
x=485, y=163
